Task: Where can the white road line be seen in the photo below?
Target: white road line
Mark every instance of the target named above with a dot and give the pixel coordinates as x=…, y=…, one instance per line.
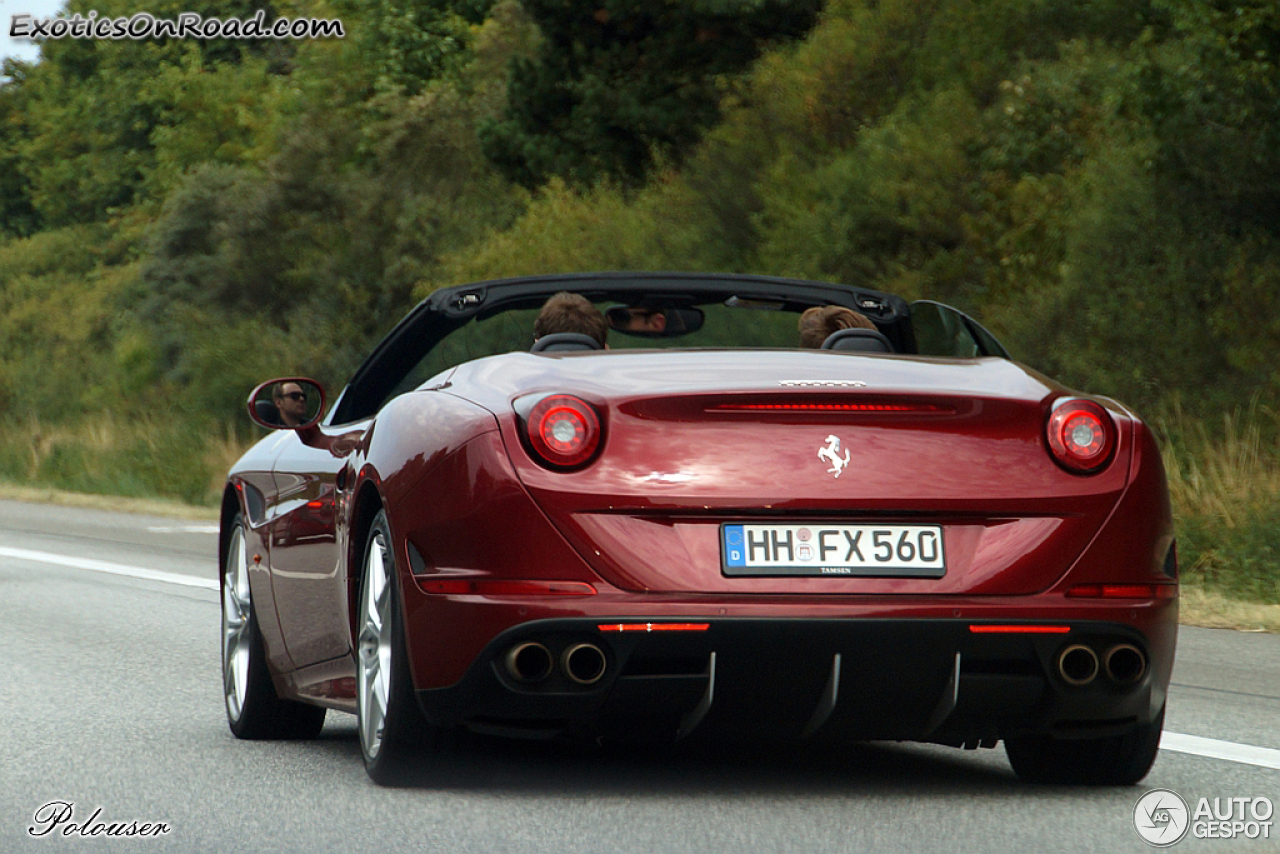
x=1247, y=754
x=183, y=529
x=109, y=568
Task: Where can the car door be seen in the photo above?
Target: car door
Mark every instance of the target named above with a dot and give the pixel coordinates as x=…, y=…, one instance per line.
x=307, y=578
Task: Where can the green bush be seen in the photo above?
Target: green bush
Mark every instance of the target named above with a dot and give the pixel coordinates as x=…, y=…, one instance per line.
x=151, y=456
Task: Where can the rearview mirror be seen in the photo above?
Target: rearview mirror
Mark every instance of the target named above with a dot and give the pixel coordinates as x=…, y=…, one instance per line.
x=654, y=322
x=288, y=403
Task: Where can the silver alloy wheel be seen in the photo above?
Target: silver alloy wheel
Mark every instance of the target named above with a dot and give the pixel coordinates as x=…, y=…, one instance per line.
x=236, y=636
x=373, y=661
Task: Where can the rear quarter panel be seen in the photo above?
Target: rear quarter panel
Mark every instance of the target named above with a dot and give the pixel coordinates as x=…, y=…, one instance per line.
x=456, y=510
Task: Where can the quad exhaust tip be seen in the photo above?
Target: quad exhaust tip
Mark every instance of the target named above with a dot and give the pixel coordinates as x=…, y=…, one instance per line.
x=529, y=662
x=1078, y=664
x=583, y=663
x=1124, y=664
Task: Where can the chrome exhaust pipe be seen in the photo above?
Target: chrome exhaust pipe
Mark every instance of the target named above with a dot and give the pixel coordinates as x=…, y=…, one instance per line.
x=529, y=662
x=1124, y=664
x=583, y=663
x=1078, y=664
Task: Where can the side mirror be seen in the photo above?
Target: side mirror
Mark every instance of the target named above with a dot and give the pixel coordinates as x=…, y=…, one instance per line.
x=288, y=403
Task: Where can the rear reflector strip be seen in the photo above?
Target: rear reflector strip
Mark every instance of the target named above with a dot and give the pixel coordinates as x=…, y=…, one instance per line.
x=1123, y=591
x=653, y=627
x=462, y=587
x=1018, y=630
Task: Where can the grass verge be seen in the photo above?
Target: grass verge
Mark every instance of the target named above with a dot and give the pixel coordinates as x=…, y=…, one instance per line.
x=114, y=503
x=1225, y=488
x=1198, y=607
x=146, y=459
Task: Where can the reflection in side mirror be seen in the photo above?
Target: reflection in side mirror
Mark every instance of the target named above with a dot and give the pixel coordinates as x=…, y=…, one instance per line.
x=288, y=403
x=654, y=322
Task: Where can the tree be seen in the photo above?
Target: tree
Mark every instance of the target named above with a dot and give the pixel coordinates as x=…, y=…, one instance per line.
x=1214, y=96
x=18, y=216
x=92, y=107
x=617, y=82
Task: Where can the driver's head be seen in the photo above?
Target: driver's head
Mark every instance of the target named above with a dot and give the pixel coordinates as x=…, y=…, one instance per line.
x=566, y=312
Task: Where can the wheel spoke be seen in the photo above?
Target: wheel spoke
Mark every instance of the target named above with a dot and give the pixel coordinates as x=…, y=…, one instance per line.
x=374, y=654
x=235, y=626
x=236, y=679
x=373, y=708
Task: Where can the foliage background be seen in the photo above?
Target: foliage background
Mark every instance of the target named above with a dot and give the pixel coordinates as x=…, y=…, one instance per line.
x=1097, y=180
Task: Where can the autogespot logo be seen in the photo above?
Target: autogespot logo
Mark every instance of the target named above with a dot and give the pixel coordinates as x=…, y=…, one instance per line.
x=1161, y=817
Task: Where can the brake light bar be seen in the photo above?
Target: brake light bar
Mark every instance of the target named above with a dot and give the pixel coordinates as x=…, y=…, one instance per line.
x=477, y=587
x=831, y=407
x=653, y=627
x=1016, y=629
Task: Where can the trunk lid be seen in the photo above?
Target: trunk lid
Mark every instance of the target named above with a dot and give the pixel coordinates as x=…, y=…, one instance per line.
x=835, y=449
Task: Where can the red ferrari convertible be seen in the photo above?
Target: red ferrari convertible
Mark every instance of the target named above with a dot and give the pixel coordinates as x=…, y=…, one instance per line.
x=700, y=531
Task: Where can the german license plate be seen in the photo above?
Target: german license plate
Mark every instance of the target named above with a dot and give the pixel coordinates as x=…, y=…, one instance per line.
x=908, y=551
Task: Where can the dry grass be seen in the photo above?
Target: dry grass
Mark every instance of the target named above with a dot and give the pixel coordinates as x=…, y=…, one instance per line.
x=1226, y=476
x=220, y=454
x=1211, y=610
x=147, y=506
x=154, y=457
x=1225, y=489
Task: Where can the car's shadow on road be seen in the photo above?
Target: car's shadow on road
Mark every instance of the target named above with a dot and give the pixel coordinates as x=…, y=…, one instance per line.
x=889, y=769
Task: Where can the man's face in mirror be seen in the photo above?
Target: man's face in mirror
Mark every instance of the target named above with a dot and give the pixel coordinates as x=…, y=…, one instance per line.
x=645, y=320
x=291, y=401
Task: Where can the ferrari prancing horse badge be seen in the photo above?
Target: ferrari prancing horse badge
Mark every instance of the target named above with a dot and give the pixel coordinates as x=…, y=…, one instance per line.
x=830, y=453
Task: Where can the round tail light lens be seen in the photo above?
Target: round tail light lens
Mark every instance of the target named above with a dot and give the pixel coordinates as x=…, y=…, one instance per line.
x=563, y=431
x=1081, y=436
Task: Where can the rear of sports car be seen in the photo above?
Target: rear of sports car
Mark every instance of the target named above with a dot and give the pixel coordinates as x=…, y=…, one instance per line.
x=821, y=546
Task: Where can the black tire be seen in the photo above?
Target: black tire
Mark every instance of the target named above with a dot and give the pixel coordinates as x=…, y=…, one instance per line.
x=395, y=738
x=1118, y=760
x=254, y=710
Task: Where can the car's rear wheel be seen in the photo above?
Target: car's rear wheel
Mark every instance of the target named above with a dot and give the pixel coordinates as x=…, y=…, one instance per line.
x=1119, y=760
x=254, y=710
x=394, y=734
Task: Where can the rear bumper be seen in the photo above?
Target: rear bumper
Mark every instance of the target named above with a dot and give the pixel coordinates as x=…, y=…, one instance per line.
x=918, y=679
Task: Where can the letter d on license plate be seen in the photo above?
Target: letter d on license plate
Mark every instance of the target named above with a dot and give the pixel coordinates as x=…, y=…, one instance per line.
x=906, y=551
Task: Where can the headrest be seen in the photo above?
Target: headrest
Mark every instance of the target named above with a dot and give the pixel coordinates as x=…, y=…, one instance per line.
x=267, y=411
x=563, y=341
x=864, y=340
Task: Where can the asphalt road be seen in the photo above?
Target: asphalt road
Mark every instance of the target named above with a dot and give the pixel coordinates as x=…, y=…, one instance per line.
x=111, y=701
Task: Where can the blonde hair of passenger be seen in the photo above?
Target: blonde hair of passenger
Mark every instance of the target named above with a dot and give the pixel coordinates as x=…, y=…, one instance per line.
x=820, y=321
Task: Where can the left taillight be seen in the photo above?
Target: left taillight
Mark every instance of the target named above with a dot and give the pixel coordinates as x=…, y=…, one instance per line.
x=1081, y=434
x=560, y=431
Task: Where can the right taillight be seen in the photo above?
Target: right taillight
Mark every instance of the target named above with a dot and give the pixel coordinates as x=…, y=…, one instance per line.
x=1081, y=435
x=562, y=431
